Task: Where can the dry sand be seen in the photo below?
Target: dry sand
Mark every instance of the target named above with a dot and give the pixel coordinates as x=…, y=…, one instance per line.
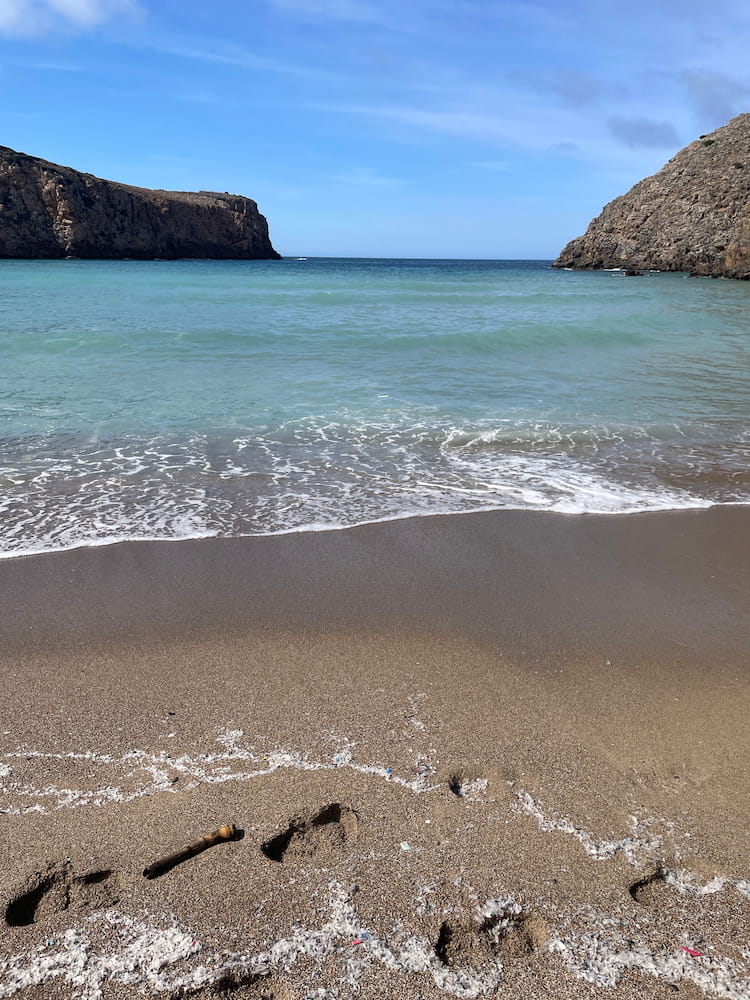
x=487, y=755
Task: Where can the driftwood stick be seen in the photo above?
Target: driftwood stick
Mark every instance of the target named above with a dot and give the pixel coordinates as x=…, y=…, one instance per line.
x=217, y=837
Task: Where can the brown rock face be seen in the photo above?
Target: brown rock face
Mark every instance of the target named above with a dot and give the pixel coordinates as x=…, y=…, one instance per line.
x=52, y=211
x=693, y=215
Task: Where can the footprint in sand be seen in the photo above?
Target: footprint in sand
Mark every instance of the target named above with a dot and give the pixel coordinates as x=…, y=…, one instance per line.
x=57, y=888
x=468, y=786
x=505, y=935
x=318, y=834
x=239, y=986
x=651, y=889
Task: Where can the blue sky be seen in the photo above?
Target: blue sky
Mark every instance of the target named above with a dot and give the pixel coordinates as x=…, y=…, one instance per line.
x=424, y=128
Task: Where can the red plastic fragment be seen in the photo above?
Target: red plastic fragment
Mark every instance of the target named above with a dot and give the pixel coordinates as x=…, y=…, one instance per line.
x=690, y=951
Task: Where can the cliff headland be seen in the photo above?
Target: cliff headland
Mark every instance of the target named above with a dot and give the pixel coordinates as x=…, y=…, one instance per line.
x=693, y=215
x=51, y=211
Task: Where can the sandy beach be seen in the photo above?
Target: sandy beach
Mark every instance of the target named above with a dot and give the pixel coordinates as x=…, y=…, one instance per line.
x=500, y=754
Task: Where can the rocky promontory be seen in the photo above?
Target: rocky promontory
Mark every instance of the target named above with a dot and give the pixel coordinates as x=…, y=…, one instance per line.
x=51, y=211
x=693, y=215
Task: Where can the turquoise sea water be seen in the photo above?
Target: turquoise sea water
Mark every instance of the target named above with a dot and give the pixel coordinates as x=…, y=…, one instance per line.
x=179, y=399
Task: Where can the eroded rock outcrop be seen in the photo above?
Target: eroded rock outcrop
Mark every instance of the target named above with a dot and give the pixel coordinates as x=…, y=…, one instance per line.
x=693, y=215
x=51, y=211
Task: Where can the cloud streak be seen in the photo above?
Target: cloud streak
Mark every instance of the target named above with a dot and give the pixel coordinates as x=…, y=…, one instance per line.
x=456, y=122
x=242, y=59
x=27, y=18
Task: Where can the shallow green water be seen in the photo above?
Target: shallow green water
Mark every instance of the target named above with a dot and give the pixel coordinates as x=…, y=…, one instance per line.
x=171, y=399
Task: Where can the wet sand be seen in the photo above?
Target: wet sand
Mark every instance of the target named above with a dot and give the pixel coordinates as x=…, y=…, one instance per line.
x=491, y=754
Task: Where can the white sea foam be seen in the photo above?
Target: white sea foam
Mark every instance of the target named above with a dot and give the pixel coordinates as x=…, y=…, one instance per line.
x=316, y=473
x=155, y=954
x=158, y=955
x=30, y=783
x=140, y=773
x=642, y=846
x=603, y=956
x=641, y=843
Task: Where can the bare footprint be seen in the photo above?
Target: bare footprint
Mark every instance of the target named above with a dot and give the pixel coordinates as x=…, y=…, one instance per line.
x=650, y=890
x=468, y=786
x=55, y=889
x=506, y=936
x=322, y=833
x=525, y=937
x=239, y=986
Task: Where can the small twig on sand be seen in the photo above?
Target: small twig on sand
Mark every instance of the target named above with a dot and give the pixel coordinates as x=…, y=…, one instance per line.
x=217, y=837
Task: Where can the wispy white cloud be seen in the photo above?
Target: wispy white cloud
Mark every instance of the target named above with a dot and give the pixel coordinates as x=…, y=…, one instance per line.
x=460, y=122
x=243, y=59
x=43, y=66
x=528, y=126
x=26, y=18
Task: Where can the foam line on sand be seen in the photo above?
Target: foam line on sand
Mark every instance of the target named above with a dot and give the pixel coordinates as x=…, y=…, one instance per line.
x=157, y=955
x=160, y=768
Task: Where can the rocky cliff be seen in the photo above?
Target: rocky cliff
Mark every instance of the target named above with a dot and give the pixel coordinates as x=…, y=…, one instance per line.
x=51, y=211
x=693, y=215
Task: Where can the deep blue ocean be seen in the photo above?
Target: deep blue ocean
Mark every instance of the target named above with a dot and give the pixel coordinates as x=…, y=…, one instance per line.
x=192, y=398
